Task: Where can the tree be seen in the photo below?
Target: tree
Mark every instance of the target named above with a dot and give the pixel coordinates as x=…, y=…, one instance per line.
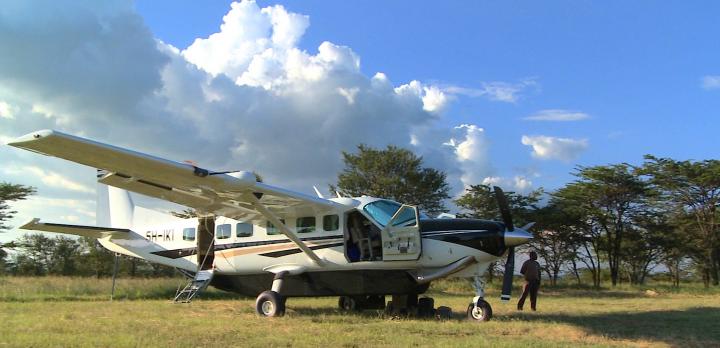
x=680, y=247
x=583, y=233
x=693, y=187
x=642, y=249
x=10, y=193
x=63, y=259
x=95, y=259
x=35, y=257
x=479, y=202
x=3, y=262
x=611, y=197
x=555, y=241
x=393, y=173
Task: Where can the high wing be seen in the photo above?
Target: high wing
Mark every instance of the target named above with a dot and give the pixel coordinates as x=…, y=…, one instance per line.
x=236, y=195
x=230, y=195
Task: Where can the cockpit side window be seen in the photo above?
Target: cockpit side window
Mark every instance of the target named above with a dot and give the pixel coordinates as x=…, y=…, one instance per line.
x=382, y=211
x=406, y=217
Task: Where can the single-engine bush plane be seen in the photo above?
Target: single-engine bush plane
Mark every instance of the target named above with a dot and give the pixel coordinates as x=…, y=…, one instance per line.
x=260, y=240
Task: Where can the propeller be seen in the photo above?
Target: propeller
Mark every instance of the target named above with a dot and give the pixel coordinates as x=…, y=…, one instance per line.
x=504, y=208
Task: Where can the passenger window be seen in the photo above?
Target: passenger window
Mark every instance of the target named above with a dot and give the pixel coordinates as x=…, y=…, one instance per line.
x=243, y=229
x=305, y=224
x=271, y=229
x=331, y=222
x=223, y=231
x=189, y=233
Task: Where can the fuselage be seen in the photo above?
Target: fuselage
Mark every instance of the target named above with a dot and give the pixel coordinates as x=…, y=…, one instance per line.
x=245, y=252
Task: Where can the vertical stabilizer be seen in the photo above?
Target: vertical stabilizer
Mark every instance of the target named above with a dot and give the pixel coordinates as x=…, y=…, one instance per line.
x=102, y=209
x=121, y=208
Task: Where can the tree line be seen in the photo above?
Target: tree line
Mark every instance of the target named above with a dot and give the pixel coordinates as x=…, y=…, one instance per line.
x=36, y=254
x=39, y=255
x=622, y=221
x=616, y=222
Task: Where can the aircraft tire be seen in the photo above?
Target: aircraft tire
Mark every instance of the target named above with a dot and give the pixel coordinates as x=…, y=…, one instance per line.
x=426, y=307
x=374, y=302
x=443, y=313
x=481, y=312
x=348, y=303
x=270, y=304
x=390, y=309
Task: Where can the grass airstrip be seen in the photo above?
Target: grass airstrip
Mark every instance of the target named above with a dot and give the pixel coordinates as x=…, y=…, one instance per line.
x=57, y=311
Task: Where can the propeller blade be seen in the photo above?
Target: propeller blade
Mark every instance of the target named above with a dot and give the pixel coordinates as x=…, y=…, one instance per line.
x=508, y=276
x=504, y=208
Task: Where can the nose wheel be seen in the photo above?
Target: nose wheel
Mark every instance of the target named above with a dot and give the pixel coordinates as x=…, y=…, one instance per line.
x=479, y=311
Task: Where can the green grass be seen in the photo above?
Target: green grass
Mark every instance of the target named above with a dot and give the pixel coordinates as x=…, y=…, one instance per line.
x=55, y=311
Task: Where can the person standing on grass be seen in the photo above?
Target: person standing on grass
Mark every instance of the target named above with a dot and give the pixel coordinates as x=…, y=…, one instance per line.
x=531, y=270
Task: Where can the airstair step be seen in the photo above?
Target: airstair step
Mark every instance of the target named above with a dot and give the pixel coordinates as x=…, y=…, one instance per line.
x=196, y=285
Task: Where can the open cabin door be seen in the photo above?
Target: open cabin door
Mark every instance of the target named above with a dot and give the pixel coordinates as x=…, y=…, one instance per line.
x=205, y=259
x=206, y=242
x=401, y=236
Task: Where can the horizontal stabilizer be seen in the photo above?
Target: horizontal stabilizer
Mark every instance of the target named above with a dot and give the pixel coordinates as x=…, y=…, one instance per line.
x=78, y=230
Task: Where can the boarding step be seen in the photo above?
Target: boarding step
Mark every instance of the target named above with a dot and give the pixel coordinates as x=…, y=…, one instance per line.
x=195, y=286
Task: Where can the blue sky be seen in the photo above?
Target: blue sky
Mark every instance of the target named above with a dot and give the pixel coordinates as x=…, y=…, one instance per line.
x=635, y=67
x=515, y=93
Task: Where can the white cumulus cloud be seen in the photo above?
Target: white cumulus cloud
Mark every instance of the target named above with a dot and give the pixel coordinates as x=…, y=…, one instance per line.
x=471, y=151
x=558, y=115
x=711, y=81
x=6, y=110
x=518, y=183
x=49, y=178
x=564, y=149
x=244, y=98
x=431, y=97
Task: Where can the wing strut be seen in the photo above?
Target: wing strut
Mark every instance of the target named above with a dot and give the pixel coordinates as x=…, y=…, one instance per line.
x=283, y=228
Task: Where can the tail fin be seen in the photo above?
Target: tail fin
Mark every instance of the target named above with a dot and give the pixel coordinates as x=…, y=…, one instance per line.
x=102, y=210
x=115, y=208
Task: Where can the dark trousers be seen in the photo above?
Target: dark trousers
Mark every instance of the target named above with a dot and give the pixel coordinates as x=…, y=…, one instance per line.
x=531, y=287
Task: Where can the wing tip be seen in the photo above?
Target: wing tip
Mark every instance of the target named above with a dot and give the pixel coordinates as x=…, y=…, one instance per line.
x=30, y=137
x=32, y=223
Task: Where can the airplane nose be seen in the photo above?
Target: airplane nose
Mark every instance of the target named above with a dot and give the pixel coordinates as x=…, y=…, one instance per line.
x=517, y=237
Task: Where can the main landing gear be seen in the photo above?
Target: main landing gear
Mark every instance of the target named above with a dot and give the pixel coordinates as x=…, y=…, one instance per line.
x=359, y=303
x=270, y=303
x=411, y=305
x=479, y=309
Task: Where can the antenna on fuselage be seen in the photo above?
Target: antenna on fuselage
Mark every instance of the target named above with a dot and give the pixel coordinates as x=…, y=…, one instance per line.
x=320, y=195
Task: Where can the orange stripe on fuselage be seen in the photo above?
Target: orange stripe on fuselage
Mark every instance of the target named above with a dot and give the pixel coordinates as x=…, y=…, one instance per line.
x=267, y=248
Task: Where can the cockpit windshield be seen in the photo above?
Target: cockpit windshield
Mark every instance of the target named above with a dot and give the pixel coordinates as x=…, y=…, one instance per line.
x=382, y=211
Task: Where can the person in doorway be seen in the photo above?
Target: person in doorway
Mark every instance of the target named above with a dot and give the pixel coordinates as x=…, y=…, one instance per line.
x=531, y=270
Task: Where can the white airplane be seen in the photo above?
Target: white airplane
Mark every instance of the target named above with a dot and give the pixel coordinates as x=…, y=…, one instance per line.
x=260, y=240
